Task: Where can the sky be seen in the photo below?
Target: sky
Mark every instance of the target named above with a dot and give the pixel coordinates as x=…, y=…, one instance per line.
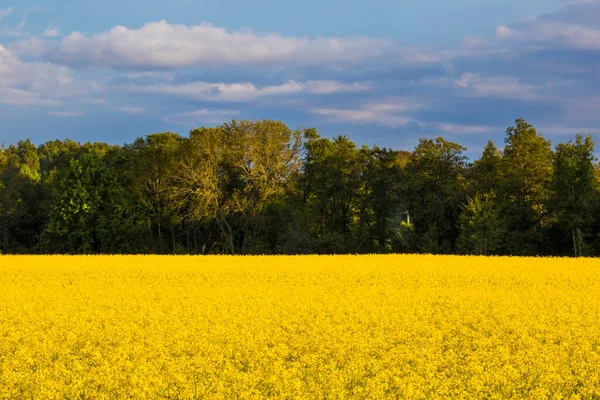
x=382, y=72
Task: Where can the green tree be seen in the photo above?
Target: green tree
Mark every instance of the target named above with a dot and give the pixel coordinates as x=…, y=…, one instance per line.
x=152, y=165
x=19, y=191
x=332, y=186
x=435, y=189
x=486, y=173
x=89, y=214
x=527, y=170
x=574, y=187
x=480, y=226
x=382, y=174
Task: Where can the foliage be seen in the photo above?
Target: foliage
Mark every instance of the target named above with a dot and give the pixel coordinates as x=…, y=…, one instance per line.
x=574, y=189
x=434, y=190
x=89, y=214
x=257, y=187
x=152, y=166
x=527, y=174
x=231, y=173
x=481, y=227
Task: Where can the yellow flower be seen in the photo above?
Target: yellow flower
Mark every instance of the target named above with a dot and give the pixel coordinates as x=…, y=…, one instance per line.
x=299, y=327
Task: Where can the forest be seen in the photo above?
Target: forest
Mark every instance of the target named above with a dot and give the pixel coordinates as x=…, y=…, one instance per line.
x=258, y=187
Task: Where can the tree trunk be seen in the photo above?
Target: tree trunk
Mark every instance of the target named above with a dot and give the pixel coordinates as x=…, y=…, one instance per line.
x=196, y=240
x=244, y=240
x=577, y=242
x=227, y=233
x=159, y=227
x=173, y=238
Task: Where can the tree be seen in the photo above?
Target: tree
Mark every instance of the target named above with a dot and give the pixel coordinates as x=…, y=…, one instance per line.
x=257, y=187
x=487, y=171
x=230, y=174
x=480, y=225
x=435, y=190
x=89, y=214
x=382, y=174
x=11, y=209
x=152, y=162
x=574, y=188
x=527, y=170
x=331, y=189
x=19, y=192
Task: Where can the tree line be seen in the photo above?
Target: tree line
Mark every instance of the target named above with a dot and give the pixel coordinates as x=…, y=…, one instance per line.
x=257, y=187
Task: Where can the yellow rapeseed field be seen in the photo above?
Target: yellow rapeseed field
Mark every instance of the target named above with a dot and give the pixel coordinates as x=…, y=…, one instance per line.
x=299, y=327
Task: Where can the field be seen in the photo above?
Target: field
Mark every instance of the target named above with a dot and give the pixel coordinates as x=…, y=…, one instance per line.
x=299, y=327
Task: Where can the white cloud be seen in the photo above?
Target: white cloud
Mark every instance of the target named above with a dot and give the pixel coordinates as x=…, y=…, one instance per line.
x=18, y=97
x=153, y=76
x=38, y=83
x=30, y=47
x=5, y=12
x=66, y=113
x=474, y=42
x=160, y=44
x=503, y=32
x=496, y=86
x=422, y=56
x=330, y=87
x=199, y=117
x=246, y=91
x=164, y=45
x=553, y=33
x=35, y=76
x=472, y=84
x=389, y=113
x=130, y=110
x=459, y=128
x=51, y=32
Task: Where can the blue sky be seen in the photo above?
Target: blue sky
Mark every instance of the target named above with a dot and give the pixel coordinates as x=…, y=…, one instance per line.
x=383, y=72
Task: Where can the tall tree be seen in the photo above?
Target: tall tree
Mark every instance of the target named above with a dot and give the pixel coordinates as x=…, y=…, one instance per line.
x=435, y=190
x=527, y=169
x=382, y=174
x=332, y=186
x=89, y=214
x=230, y=174
x=486, y=174
x=152, y=166
x=480, y=225
x=574, y=187
x=19, y=190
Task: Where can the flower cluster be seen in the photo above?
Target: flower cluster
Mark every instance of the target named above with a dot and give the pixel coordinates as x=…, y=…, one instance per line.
x=299, y=327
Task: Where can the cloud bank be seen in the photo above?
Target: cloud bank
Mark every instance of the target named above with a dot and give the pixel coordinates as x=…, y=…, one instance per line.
x=164, y=45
